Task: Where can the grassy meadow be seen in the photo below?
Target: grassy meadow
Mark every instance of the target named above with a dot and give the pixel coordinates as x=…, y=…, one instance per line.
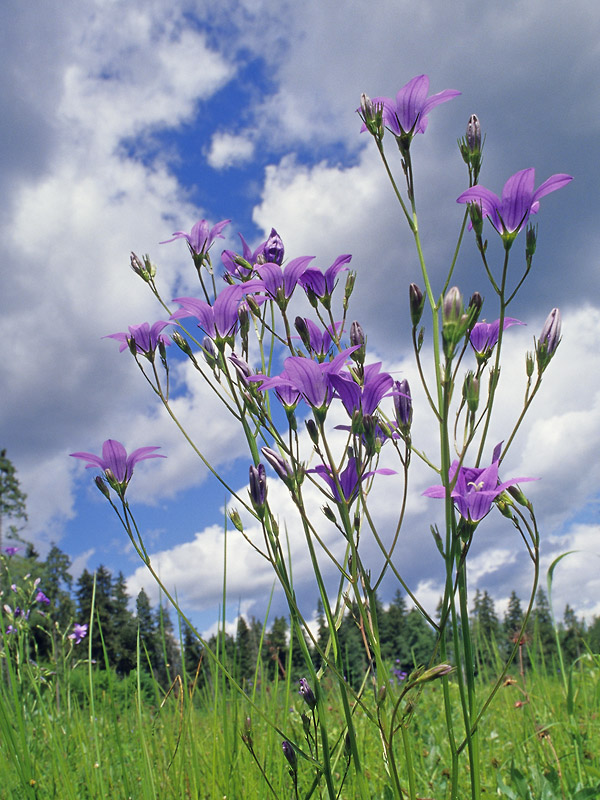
x=82, y=732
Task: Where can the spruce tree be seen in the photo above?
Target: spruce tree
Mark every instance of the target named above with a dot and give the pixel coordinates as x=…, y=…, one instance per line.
x=543, y=646
x=12, y=499
x=125, y=628
x=148, y=633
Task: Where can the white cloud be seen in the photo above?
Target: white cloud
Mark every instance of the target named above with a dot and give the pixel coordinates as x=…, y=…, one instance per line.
x=228, y=150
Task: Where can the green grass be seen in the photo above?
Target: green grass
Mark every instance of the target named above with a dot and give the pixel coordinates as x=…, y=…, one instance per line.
x=96, y=736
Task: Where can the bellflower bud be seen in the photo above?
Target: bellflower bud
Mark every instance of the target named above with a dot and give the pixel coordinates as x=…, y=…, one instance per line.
x=403, y=405
x=258, y=488
x=549, y=339
x=357, y=337
x=279, y=464
x=241, y=367
x=473, y=136
x=474, y=308
x=307, y=693
x=372, y=115
x=530, y=241
x=454, y=321
x=236, y=520
x=273, y=249
x=417, y=302
x=452, y=308
x=303, y=332
x=313, y=431
x=290, y=754
x=102, y=486
x=471, y=392
x=348, y=289
x=529, y=364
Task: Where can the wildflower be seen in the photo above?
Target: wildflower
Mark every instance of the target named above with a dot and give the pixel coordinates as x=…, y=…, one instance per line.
x=79, y=633
x=279, y=464
x=348, y=479
x=304, y=377
x=41, y=598
x=484, y=335
x=313, y=338
x=219, y=320
x=417, y=302
x=201, y=237
x=365, y=397
x=511, y=212
x=307, y=693
x=143, y=338
x=323, y=284
x=407, y=115
x=475, y=489
x=10, y=551
x=273, y=249
x=116, y=464
x=279, y=282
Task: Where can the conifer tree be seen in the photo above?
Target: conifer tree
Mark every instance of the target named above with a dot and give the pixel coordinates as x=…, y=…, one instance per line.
x=277, y=648
x=486, y=628
x=12, y=499
x=147, y=628
x=543, y=644
x=125, y=628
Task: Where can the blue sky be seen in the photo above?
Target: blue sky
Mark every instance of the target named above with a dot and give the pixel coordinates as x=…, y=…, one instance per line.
x=130, y=120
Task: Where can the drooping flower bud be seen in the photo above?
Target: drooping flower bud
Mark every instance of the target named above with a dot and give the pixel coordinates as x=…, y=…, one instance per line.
x=307, y=693
x=102, y=486
x=549, y=339
x=258, y=488
x=273, y=249
x=241, y=367
x=417, y=302
x=313, y=431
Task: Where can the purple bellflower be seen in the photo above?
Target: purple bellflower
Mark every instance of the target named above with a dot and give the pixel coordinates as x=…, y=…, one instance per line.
x=145, y=338
x=485, y=335
x=279, y=282
x=519, y=199
x=475, y=489
x=201, y=237
x=219, y=320
x=367, y=397
x=115, y=463
x=313, y=338
x=271, y=250
x=79, y=633
x=407, y=114
x=323, y=284
x=10, y=551
x=41, y=598
x=348, y=479
x=305, y=377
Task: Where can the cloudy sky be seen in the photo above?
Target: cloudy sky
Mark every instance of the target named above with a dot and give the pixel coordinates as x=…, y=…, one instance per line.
x=125, y=121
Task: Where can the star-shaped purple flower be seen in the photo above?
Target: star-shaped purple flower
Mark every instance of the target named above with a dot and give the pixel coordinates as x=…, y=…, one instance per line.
x=519, y=200
x=366, y=397
x=407, y=114
x=145, y=338
x=323, y=284
x=115, y=463
x=201, y=237
x=348, y=479
x=79, y=633
x=484, y=335
x=475, y=489
x=220, y=319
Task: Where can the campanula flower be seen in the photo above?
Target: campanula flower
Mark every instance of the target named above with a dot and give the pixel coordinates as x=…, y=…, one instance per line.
x=407, y=114
x=366, y=397
x=79, y=633
x=145, y=338
x=279, y=282
x=348, y=479
x=549, y=339
x=519, y=199
x=116, y=464
x=305, y=377
x=307, y=693
x=403, y=404
x=201, y=237
x=313, y=338
x=10, y=551
x=322, y=284
x=485, y=335
x=219, y=320
x=475, y=489
x=41, y=598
